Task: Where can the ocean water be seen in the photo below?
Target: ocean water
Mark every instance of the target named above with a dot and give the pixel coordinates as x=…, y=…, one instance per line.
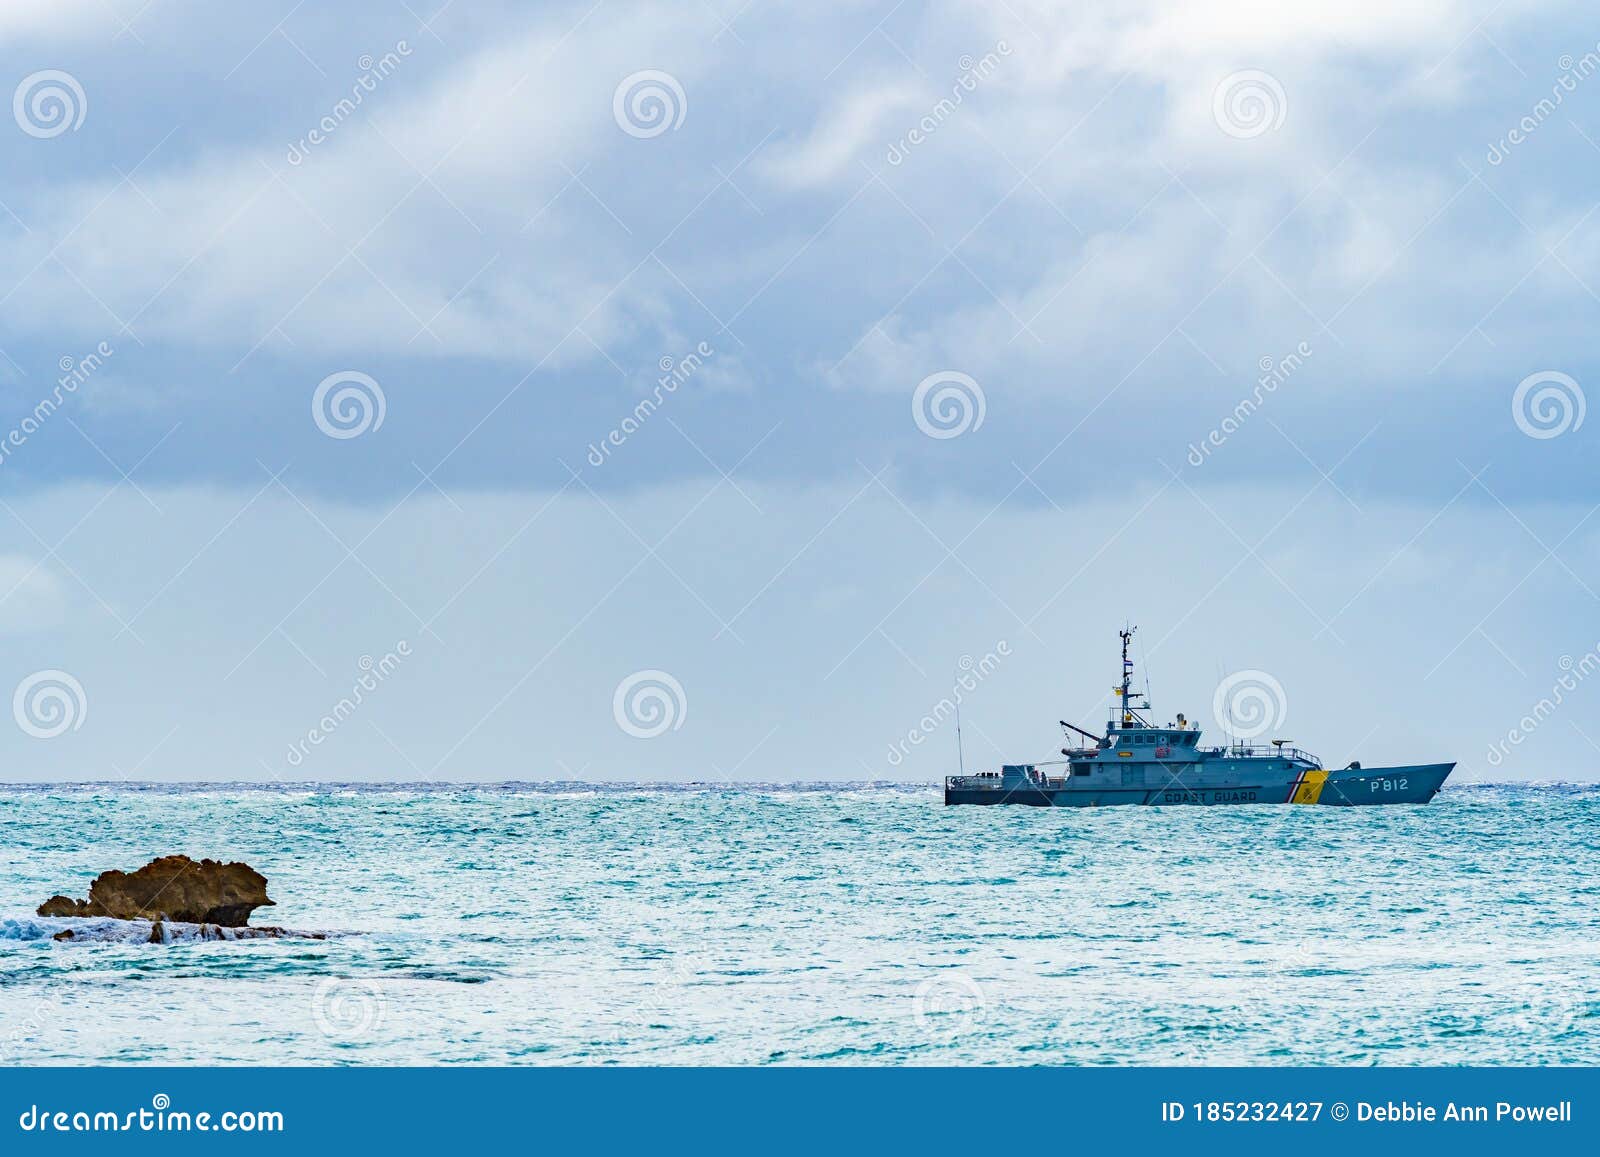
x=760, y=925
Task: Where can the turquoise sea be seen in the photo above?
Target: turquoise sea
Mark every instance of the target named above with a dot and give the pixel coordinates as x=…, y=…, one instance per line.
x=757, y=924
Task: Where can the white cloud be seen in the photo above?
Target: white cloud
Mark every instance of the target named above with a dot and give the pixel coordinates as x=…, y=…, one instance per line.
x=860, y=120
x=1155, y=37
x=31, y=598
x=43, y=19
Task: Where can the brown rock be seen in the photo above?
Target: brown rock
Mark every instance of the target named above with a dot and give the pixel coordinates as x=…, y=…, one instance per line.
x=62, y=906
x=175, y=888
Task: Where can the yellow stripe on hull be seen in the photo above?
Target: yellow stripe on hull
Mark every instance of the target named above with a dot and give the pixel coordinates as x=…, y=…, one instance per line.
x=1310, y=787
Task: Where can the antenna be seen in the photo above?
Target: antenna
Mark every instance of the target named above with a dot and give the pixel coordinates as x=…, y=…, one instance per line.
x=961, y=760
x=1145, y=660
x=1129, y=716
x=1227, y=716
x=1127, y=677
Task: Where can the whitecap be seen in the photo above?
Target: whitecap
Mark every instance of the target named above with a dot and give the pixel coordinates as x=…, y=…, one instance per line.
x=105, y=930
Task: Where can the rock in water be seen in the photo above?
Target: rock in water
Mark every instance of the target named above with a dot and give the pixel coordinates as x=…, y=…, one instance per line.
x=174, y=887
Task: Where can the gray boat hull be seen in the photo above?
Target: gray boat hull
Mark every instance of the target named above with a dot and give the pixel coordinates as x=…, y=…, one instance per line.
x=1351, y=787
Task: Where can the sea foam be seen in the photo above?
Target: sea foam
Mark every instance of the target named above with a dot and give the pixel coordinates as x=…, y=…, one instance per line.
x=105, y=930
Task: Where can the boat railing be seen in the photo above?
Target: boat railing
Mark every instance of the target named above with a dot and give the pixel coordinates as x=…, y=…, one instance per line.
x=1266, y=751
x=993, y=781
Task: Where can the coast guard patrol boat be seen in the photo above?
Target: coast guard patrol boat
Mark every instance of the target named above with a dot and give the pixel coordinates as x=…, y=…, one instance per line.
x=1136, y=761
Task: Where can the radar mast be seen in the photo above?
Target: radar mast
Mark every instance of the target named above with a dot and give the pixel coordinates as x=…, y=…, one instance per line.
x=1129, y=710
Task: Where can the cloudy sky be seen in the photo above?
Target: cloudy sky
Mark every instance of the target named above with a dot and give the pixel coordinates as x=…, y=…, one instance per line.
x=693, y=391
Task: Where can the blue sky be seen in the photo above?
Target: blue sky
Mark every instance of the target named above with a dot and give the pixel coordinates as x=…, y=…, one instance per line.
x=1095, y=224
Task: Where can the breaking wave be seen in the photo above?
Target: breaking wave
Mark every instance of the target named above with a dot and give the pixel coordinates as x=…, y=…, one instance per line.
x=105, y=930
